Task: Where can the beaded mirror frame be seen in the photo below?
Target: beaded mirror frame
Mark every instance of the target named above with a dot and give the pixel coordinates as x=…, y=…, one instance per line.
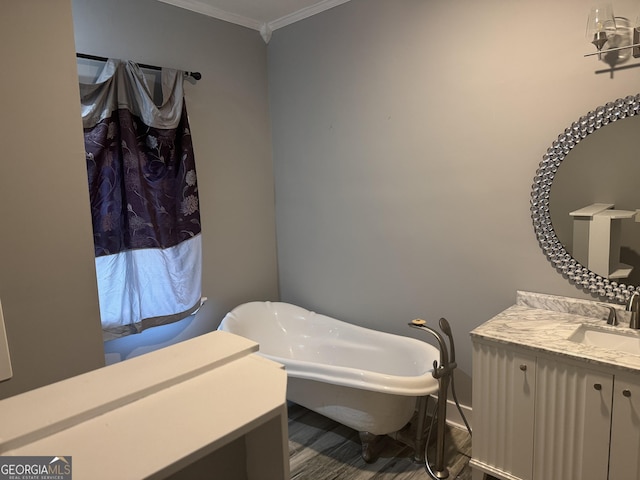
x=555, y=251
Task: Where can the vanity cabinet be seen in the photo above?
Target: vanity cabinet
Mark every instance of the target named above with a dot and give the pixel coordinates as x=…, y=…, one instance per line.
x=542, y=417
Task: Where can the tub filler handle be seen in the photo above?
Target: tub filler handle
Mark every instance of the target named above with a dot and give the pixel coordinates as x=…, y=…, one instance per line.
x=447, y=362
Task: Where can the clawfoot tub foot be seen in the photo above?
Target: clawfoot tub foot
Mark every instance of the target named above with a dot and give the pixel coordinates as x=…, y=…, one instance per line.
x=372, y=445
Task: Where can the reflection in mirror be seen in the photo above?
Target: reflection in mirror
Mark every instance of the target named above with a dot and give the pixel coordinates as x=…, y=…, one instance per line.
x=584, y=200
x=604, y=168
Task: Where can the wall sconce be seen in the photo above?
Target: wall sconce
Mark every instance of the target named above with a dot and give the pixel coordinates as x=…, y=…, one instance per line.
x=614, y=37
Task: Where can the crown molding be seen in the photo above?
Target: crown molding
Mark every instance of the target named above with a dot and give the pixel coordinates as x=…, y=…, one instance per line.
x=265, y=29
x=304, y=13
x=211, y=11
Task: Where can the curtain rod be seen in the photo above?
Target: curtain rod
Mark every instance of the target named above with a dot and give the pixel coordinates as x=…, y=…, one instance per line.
x=195, y=75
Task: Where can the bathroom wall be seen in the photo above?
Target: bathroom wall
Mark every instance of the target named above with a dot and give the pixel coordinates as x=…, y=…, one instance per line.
x=405, y=141
x=406, y=135
x=228, y=114
x=47, y=275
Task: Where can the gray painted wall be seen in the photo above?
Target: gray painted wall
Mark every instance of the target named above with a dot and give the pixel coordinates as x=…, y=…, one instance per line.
x=405, y=141
x=406, y=135
x=47, y=275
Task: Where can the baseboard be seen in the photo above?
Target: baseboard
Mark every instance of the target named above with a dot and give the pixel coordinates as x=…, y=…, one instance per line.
x=455, y=419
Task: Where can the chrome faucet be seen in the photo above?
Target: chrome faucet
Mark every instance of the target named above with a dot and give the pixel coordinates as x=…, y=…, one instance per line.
x=612, y=318
x=633, y=306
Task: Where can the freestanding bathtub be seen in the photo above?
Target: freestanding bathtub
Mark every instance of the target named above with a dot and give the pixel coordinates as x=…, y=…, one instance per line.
x=362, y=378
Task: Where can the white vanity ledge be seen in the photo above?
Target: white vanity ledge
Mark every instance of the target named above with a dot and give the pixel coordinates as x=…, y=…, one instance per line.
x=543, y=323
x=153, y=415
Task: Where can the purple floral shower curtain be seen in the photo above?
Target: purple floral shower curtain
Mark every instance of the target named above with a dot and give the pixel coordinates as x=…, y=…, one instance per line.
x=144, y=199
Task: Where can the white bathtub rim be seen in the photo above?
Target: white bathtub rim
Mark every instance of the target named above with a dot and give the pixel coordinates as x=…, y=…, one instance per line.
x=415, y=386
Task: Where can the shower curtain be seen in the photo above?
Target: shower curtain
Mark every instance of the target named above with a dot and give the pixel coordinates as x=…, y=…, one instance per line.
x=144, y=199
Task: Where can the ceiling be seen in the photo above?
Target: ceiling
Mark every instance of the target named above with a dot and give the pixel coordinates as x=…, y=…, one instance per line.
x=262, y=15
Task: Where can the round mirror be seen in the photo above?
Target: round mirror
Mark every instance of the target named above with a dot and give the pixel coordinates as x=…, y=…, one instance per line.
x=585, y=214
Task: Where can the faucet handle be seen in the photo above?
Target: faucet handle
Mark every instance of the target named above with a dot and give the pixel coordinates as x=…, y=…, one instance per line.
x=632, y=298
x=634, y=307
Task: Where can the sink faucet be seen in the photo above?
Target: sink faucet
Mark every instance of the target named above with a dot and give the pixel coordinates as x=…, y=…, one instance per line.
x=612, y=318
x=633, y=306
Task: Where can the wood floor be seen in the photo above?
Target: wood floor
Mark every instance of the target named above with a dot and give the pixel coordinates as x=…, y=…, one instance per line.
x=321, y=449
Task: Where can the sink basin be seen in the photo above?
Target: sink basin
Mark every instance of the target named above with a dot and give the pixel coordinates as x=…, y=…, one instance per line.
x=620, y=342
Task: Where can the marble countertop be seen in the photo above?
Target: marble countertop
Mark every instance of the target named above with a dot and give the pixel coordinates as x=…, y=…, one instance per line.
x=545, y=322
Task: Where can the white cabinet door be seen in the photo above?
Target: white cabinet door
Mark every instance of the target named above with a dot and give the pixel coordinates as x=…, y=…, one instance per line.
x=625, y=428
x=504, y=382
x=573, y=421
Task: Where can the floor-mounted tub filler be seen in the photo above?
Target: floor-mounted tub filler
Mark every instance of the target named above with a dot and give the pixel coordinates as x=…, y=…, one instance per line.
x=368, y=380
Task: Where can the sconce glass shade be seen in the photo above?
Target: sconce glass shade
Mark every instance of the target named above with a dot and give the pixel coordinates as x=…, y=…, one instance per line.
x=601, y=23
